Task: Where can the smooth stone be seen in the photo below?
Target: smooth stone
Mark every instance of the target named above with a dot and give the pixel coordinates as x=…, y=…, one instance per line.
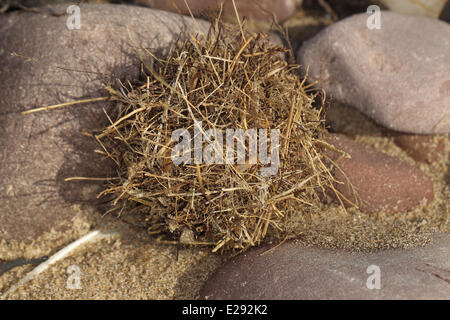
x=398, y=75
x=52, y=65
x=257, y=9
x=422, y=148
x=294, y=271
x=382, y=182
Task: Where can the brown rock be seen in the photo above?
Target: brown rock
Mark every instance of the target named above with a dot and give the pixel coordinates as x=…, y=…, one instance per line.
x=293, y=271
x=423, y=148
x=42, y=62
x=257, y=9
x=382, y=181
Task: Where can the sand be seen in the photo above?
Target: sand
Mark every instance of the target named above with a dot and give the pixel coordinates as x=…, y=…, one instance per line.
x=127, y=265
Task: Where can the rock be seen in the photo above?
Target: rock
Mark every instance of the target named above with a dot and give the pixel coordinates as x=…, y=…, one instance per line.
x=42, y=62
x=416, y=7
x=423, y=148
x=382, y=182
x=293, y=271
x=398, y=75
x=257, y=9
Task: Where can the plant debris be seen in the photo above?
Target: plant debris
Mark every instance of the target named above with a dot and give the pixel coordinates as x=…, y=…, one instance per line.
x=208, y=85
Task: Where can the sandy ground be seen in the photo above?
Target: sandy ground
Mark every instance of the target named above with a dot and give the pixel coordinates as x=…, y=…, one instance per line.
x=125, y=265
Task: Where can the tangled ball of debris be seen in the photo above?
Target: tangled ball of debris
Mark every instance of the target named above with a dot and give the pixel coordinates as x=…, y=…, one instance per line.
x=220, y=144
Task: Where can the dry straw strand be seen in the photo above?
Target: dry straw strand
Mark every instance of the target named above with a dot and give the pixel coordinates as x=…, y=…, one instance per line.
x=223, y=80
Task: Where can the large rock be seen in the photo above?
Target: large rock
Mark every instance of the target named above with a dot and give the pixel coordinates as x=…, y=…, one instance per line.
x=293, y=271
x=398, y=75
x=382, y=182
x=42, y=62
x=257, y=9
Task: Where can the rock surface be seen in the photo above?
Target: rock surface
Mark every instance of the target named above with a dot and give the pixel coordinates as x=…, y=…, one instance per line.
x=382, y=182
x=293, y=271
x=399, y=75
x=257, y=9
x=423, y=148
x=42, y=62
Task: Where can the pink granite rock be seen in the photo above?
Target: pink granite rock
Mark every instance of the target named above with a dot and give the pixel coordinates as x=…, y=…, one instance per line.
x=295, y=272
x=382, y=182
x=399, y=75
x=423, y=148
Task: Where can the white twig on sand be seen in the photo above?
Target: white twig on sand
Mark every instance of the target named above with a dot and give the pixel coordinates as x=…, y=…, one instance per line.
x=60, y=255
